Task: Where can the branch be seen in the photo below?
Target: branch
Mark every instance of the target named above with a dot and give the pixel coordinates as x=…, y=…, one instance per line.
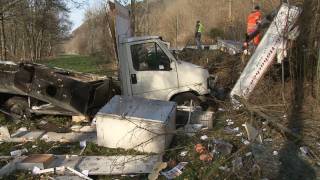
x=270, y=120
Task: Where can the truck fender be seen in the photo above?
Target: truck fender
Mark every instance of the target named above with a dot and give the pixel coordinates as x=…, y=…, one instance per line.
x=179, y=91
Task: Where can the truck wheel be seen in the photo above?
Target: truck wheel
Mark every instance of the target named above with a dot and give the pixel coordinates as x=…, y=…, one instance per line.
x=184, y=99
x=18, y=107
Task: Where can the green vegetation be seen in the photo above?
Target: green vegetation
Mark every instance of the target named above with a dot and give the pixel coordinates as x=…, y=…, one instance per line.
x=86, y=64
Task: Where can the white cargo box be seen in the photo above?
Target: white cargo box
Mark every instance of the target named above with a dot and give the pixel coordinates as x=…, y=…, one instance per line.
x=136, y=123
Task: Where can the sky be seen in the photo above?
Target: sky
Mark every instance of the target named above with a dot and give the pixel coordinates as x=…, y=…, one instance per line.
x=77, y=13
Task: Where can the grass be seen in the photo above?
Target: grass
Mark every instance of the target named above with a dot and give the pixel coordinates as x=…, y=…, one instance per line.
x=86, y=64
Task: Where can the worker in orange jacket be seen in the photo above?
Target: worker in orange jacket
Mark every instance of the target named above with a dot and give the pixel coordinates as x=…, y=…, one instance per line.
x=254, y=19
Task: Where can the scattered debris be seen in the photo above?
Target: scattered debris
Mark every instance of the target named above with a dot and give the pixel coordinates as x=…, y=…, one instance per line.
x=245, y=142
x=195, y=115
x=275, y=153
x=224, y=168
x=221, y=109
x=156, y=170
x=175, y=172
x=204, y=137
x=222, y=147
x=83, y=145
x=80, y=119
x=18, y=152
x=268, y=162
x=37, y=171
x=41, y=161
x=268, y=140
x=206, y=157
x=239, y=134
x=237, y=164
x=199, y=148
x=76, y=128
x=78, y=173
x=183, y=153
x=231, y=47
x=229, y=122
x=192, y=129
x=304, y=150
x=252, y=133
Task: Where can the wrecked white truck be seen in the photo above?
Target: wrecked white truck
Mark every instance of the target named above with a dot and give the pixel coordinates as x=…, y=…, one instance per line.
x=146, y=66
x=147, y=69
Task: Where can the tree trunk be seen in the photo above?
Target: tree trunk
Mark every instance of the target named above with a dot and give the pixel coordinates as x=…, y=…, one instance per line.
x=133, y=16
x=4, y=51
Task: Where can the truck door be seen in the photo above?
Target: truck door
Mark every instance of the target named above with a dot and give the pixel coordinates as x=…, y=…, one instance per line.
x=153, y=73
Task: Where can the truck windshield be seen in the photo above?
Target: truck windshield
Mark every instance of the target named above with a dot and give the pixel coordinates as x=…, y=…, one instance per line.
x=149, y=57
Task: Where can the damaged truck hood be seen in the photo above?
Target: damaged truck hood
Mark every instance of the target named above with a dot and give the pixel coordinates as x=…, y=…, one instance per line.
x=191, y=74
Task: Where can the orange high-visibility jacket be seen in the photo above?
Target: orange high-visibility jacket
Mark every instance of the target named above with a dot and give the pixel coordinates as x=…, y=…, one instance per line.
x=253, y=19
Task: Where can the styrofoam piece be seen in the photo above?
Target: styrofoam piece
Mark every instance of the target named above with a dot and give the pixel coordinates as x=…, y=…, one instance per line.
x=69, y=137
x=4, y=133
x=136, y=123
x=22, y=136
x=265, y=53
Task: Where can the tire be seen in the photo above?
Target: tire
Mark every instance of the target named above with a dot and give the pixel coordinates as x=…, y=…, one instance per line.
x=184, y=99
x=18, y=107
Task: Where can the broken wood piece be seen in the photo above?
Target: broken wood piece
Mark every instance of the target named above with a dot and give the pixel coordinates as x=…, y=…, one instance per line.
x=41, y=161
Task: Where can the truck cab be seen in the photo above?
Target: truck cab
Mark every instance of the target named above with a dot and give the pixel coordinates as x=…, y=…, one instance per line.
x=148, y=69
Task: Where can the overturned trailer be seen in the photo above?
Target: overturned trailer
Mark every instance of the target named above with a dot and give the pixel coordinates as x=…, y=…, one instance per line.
x=51, y=90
